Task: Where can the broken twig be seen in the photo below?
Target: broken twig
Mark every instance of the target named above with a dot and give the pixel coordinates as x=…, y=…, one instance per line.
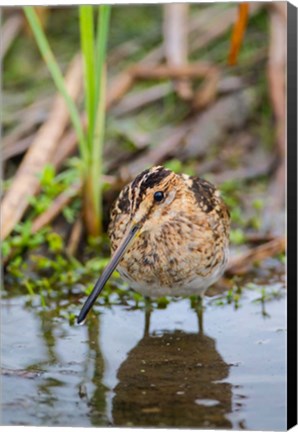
x=243, y=262
x=26, y=182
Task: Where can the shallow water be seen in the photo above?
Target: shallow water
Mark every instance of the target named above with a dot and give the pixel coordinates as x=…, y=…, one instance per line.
x=108, y=372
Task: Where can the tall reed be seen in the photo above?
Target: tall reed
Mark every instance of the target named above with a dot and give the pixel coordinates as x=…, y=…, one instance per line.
x=91, y=142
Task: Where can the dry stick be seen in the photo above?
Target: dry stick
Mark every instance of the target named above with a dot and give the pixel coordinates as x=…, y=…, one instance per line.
x=139, y=99
x=61, y=201
x=123, y=84
x=257, y=237
x=75, y=237
x=277, y=88
x=168, y=71
x=117, y=88
x=219, y=21
x=193, y=137
x=57, y=205
x=212, y=23
x=125, y=80
x=175, y=24
x=10, y=30
x=246, y=173
x=157, y=154
x=26, y=182
x=243, y=262
x=17, y=148
x=120, y=86
x=206, y=92
x=27, y=120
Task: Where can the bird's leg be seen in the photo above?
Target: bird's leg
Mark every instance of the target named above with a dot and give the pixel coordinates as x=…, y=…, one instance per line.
x=148, y=310
x=200, y=310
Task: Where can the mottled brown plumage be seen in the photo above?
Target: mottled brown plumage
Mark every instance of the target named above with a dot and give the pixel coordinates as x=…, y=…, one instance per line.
x=169, y=235
x=182, y=246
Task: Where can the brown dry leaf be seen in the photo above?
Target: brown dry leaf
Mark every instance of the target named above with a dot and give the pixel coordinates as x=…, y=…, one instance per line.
x=41, y=151
x=238, y=32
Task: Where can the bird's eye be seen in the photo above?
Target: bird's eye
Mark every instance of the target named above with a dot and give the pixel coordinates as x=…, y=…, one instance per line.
x=158, y=196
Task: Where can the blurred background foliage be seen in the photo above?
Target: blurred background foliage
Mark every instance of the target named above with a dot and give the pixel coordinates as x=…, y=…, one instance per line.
x=191, y=111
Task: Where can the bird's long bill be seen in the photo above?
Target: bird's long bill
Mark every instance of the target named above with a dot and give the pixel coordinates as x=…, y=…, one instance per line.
x=107, y=273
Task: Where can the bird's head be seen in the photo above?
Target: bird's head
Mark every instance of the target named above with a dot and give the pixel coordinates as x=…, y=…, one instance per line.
x=144, y=202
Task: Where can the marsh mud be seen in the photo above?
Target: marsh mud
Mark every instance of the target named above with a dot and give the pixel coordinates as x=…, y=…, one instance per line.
x=229, y=375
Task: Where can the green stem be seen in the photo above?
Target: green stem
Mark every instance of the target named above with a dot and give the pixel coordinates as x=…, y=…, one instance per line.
x=100, y=100
x=57, y=76
x=101, y=46
x=87, y=43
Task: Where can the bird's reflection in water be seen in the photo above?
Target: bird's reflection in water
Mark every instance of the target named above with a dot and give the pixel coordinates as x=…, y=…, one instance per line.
x=173, y=379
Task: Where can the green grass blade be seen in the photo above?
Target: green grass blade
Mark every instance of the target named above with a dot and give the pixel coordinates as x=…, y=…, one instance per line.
x=97, y=150
x=87, y=44
x=57, y=76
x=101, y=46
x=100, y=74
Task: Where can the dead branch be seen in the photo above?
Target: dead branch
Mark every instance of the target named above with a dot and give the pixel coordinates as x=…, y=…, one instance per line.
x=277, y=90
x=137, y=100
x=26, y=181
x=61, y=201
x=125, y=80
x=158, y=154
x=243, y=262
x=207, y=91
x=58, y=204
x=10, y=30
x=17, y=148
x=195, y=136
x=75, y=237
x=120, y=85
x=229, y=112
x=201, y=34
x=194, y=70
x=175, y=24
x=27, y=120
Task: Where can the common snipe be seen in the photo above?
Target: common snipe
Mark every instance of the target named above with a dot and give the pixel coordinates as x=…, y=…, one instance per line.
x=169, y=236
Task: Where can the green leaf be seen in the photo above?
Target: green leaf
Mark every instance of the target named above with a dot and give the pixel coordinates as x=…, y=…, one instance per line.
x=55, y=242
x=57, y=76
x=87, y=44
